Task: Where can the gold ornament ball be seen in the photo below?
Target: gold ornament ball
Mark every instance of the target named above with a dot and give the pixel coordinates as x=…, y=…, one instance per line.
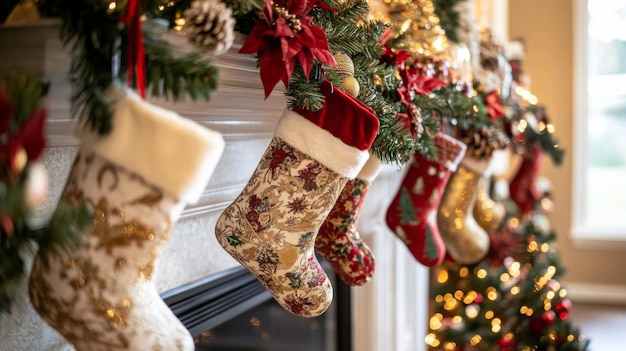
x=351, y=86
x=345, y=67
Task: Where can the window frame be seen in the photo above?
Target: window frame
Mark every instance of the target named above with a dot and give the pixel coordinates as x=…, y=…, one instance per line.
x=583, y=234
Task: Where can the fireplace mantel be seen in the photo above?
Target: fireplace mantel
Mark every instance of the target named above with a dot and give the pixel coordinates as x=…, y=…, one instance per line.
x=389, y=313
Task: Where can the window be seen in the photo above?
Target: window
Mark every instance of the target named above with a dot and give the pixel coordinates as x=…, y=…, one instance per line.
x=600, y=138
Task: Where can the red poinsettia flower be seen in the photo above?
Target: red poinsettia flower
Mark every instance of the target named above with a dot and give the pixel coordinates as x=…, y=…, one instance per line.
x=495, y=110
x=283, y=37
x=414, y=83
x=390, y=56
x=29, y=142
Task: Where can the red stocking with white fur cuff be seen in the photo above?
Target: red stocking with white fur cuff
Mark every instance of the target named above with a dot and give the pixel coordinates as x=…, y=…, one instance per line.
x=100, y=295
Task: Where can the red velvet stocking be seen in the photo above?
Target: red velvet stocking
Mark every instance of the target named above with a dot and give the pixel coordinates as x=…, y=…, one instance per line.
x=523, y=187
x=344, y=117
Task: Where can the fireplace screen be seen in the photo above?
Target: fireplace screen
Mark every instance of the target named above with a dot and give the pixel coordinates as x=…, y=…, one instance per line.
x=232, y=311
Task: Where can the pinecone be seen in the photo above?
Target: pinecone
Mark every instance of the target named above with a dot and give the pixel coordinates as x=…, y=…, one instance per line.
x=209, y=25
x=482, y=143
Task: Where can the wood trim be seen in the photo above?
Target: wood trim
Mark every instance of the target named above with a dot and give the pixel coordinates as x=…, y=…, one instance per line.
x=213, y=300
x=596, y=293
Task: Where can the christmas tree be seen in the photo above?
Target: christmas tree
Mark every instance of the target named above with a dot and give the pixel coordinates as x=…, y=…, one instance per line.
x=511, y=299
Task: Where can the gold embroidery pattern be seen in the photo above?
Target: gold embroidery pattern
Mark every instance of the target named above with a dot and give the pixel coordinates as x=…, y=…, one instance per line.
x=271, y=227
x=100, y=296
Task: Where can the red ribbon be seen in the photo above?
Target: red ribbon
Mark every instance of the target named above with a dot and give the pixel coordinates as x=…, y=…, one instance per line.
x=136, y=54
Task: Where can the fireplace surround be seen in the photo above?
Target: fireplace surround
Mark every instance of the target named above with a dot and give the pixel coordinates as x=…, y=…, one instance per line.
x=231, y=310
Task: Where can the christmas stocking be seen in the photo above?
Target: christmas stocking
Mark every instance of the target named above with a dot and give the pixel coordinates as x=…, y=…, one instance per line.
x=523, y=187
x=100, y=295
x=487, y=212
x=338, y=240
x=412, y=213
x=466, y=242
x=272, y=225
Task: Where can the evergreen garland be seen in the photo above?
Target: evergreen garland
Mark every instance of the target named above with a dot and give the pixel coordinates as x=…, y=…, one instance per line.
x=448, y=17
x=98, y=44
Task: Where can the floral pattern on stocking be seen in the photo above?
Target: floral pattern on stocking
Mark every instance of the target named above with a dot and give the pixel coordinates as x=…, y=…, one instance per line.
x=339, y=241
x=271, y=227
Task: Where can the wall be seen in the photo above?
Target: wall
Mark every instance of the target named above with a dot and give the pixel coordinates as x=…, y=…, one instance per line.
x=547, y=27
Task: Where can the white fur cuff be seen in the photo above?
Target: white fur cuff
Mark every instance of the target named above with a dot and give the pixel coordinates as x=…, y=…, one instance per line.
x=320, y=144
x=169, y=151
x=370, y=170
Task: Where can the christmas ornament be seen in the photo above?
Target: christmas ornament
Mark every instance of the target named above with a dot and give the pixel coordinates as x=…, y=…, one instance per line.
x=412, y=213
x=344, y=65
x=100, y=295
x=345, y=70
x=284, y=36
x=338, y=240
x=488, y=213
x=465, y=240
x=271, y=227
x=209, y=24
x=563, y=308
x=351, y=86
x=523, y=187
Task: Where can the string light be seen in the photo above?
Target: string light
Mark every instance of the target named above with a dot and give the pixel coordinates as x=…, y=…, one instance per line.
x=492, y=293
x=472, y=311
x=435, y=321
x=442, y=276
x=450, y=346
x=496, y=325
x=431, y=340
x=504, y=277
x=481, y=273
x=463, y=272
x=470, y=297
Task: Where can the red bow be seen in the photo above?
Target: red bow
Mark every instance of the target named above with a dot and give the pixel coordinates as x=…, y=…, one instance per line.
x=283, y=37
x=136, y=55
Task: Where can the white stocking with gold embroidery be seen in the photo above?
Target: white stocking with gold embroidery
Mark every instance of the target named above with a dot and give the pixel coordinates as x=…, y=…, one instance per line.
x=100, y=296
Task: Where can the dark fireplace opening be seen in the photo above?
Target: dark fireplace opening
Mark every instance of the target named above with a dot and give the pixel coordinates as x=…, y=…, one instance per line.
x=231, y=310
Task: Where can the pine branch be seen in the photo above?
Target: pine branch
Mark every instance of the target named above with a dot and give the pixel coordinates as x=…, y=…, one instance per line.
x=448, y=17
x=178, y=76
